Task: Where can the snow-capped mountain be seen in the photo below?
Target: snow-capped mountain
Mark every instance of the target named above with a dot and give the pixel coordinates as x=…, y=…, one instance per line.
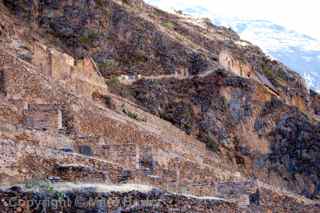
x=298, y=51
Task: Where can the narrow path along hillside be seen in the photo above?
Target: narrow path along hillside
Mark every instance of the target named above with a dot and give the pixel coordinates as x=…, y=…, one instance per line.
x=149, y=112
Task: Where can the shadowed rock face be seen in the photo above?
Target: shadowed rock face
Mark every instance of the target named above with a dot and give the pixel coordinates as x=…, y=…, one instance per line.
x=119, y=39
x=315, y=102
x=295, y=145
x=194, y=105
x=198, y=107
x=266, y=127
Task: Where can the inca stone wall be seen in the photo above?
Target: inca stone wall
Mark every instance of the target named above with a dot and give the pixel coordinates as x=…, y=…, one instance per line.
x=237, y=67
x=43, y=117
x=102, y=145
x=244, y=69
x=144, y=156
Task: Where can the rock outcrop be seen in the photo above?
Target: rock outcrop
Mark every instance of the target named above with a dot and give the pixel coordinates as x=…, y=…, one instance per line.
x=118, y=92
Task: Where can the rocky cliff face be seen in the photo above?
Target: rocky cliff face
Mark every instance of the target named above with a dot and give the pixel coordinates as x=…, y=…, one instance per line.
x=116, y=92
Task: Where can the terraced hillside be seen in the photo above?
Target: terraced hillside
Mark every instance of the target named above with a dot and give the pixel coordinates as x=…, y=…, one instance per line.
x=118, y=100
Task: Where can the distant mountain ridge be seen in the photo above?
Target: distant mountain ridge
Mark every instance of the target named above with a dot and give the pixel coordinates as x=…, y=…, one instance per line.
x=298, y=51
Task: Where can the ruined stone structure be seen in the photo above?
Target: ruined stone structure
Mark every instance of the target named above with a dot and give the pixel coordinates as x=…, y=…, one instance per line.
x=124, y=151
x=43, y=117
x=82, y=75
x=244, y=69
x=190, y=141
x=235, y=65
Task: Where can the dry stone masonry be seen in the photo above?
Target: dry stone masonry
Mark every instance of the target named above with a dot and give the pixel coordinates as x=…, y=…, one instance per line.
x=195, y=123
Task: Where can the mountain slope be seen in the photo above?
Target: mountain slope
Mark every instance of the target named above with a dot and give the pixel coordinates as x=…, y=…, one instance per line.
x=118, y=92
x=298, y=51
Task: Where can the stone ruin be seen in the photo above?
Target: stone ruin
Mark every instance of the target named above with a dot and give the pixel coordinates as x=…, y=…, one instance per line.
x=81, y=75
x=234, y=65
x=43, y=117
x=243, y=69
x=107, y=147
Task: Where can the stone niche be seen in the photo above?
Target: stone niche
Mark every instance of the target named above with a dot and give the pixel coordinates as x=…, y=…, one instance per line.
x=45, y=117
x=146, y=162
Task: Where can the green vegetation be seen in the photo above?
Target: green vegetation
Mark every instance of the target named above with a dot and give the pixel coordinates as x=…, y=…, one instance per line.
x=113, y=82
x=187, y=121
x=108, y=101
x=88, y=38
x=168, y=24
x=130, y=114
x=44, y=185
x=211, y=145
x=108, y=64
x=268, y=72
x=180, y=114
x=105, y=99
x=116, y=87
x=278, y=75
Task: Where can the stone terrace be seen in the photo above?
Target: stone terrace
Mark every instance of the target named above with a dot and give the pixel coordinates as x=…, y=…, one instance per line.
x=173, y=161
x=50, y=130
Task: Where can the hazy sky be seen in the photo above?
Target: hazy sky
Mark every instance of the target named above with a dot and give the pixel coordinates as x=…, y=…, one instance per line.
x=300, y=15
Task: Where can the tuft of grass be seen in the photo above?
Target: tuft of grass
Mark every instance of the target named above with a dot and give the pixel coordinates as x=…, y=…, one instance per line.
x=214, y=147
x=105, y=99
